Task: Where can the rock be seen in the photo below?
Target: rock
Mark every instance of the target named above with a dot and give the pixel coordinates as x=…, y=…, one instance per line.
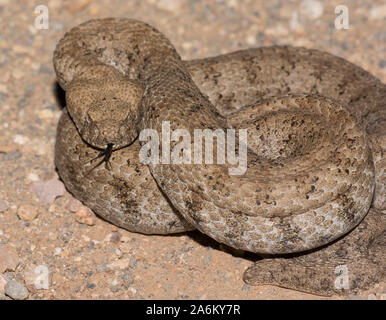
x=312, y=9
x=20, y=139
x=115, y=288
x=133, y=262
x=74, y=205
x=120, y=264
x=90, y=285
x=39, y=277
x=85, y=216
x=9, y=259
x=118, y=253
x=114, y=237
x=378, y=12
x=32, y=176
x=15, y=290
x=295, y=24
x=4, y=205
x=245, y=287
x=128, y=279
x=27, y=212
x=48, y=191
x=9, y=275
x=57, y=251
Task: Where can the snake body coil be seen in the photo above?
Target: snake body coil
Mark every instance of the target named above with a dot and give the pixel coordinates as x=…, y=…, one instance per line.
x=315, y=126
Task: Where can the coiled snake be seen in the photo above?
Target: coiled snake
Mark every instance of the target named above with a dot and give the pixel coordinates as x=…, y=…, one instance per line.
x=315, y=137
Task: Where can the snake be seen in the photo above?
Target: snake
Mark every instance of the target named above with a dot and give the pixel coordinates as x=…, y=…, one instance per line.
x=314, y=142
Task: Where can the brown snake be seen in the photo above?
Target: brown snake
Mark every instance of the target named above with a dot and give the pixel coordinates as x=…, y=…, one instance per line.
x=315, y=132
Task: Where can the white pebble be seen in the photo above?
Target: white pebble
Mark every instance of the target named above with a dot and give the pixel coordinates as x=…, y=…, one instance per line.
x=39, y=277
x=33, y=177
x=313, y=9
x=42, y=280
x=20, y=139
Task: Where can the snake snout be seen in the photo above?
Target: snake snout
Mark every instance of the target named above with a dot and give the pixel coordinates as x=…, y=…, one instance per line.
x=109, y=124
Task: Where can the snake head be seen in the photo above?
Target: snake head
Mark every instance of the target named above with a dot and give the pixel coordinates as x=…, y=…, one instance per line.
x=105, y=111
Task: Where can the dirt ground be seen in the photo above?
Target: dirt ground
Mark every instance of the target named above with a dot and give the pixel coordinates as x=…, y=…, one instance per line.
x=57, y=250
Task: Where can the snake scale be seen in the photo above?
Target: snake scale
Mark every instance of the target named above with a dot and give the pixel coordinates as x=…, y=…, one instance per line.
x=315, y=143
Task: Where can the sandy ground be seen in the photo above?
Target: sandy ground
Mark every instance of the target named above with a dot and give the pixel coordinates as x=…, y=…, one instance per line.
x=56, y=251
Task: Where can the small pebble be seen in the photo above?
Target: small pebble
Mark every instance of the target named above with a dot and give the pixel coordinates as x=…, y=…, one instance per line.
x=90, y=285
x=27, y=212
x=33, y=177
x=20, y=139
x=115, y=288
x=9, y=275
x=114, y=237
x=246, y=287
x=85, y=216
x=312, y=9
x=57, y=251
x=15, y=290
x=39, y=277
x=104, y=268
x=4, y=205
x=74, y=205
x=132, y=290
x=118, y=253
x=9, y=259
x=378, y=12
x=128, y=279
x=133, y=262
x=22, y=102
x=48, y=191
x=120, y=264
